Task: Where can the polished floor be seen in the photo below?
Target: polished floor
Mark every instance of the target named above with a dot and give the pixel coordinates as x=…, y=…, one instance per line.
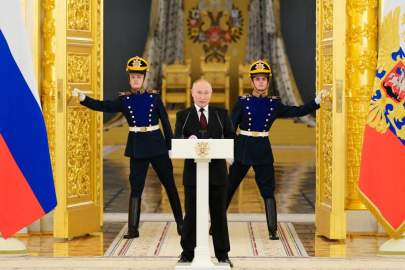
x=295, y=192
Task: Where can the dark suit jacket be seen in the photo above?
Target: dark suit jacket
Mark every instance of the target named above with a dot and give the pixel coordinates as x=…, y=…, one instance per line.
x=219, y=126
x=140, y=144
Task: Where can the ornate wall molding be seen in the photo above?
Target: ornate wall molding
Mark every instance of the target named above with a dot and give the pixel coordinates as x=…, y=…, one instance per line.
x=361, y=64
x=78, y=156
x=79, y=15
x=48, y=81
x=324, y=77
x=79, y=68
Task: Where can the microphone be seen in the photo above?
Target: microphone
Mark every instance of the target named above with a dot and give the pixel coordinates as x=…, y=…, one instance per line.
x=185, y=122
x=220, y=123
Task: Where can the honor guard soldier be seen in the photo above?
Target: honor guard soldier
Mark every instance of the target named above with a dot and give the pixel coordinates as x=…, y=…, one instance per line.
x=146, y=144
x=254, y=114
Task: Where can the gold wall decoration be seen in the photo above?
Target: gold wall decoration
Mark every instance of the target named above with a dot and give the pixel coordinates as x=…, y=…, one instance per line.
x=78, y=156
x=361, y=65
x=330, y=125
x=79, y=15
x=327, y=18
x=346, y=58
x=325, y=173
x=327, y=68
x=325, y=118
x=98, y=143
x=79, y=67
x=76, y=61
x=48, y=82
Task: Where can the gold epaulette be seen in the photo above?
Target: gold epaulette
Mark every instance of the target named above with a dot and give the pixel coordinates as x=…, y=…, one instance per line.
x=245, y=96
x=274, y=97
x=153, y=91
x=124, y=93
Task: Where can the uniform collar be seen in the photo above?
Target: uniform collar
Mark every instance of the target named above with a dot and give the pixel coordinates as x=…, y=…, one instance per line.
x=138, y=92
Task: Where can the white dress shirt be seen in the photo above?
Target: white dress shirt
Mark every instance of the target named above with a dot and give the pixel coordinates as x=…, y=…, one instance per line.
x=199, y=113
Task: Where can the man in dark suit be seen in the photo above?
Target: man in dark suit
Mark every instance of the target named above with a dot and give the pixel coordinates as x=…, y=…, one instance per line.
x=146, y=144
x=205, y=121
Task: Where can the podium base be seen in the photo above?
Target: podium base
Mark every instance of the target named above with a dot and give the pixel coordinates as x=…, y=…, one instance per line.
x=189, y=266
x=12, y=246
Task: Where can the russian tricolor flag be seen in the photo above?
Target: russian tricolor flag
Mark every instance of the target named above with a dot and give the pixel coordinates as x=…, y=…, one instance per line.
x=27, y=190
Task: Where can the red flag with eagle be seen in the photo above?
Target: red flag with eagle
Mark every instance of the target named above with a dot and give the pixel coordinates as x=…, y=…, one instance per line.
x=382, y=178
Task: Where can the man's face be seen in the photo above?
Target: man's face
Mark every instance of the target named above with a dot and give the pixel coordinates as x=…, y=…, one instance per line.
x=260, y=83
x=201, y=93
x=136, y=80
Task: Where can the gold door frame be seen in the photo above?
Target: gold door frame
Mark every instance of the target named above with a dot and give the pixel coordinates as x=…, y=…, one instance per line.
x=346, y=61
x=72, y=57
x=330, y=124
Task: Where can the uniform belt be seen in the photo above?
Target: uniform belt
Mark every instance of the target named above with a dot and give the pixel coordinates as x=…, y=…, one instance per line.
x=254, y=133
x=144, y=129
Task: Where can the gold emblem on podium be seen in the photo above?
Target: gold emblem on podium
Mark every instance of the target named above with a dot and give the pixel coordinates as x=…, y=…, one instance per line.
x=202, y=149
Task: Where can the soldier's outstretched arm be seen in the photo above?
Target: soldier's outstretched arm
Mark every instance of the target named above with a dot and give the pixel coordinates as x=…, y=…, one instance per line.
x=164, y=118
x=297, y=111
x=286, y=111
x=98, y=105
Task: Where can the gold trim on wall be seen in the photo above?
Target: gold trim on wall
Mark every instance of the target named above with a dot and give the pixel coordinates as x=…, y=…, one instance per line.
x=361, y=64
x=72, y=57
x=330, y=124
x=48, y=81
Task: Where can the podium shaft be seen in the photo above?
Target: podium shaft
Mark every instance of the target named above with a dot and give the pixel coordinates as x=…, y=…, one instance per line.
x=202, y=255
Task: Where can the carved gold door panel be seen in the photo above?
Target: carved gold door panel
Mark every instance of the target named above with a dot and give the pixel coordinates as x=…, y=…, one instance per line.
x=330, y=127
x=78, y=131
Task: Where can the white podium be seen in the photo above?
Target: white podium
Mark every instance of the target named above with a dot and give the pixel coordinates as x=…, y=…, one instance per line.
x=202, y=151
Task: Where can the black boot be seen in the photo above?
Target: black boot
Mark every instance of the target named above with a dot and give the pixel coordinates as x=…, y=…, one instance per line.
x=134, y=213
x=271, y=217
x=176, y=208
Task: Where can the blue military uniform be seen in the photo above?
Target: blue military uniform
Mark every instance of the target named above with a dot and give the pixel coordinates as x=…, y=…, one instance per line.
x=146, y=144
x=254, y=116
x=141, y=109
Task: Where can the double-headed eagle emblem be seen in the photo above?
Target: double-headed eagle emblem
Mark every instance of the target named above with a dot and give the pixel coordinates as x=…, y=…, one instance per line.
x=215, y=30
x=387, y=108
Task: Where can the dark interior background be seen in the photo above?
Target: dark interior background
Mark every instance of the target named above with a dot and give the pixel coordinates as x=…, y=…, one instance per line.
x=126, y=25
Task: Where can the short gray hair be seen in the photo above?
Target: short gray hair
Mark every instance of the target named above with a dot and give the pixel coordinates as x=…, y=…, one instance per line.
x=201, y=80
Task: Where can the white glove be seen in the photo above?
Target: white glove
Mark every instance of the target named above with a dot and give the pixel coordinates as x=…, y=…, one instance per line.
x=323, y=93
x=77, y=92
x=170, y=153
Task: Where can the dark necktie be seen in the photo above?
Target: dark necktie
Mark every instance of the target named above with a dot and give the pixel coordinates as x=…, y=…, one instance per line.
x=203, y=120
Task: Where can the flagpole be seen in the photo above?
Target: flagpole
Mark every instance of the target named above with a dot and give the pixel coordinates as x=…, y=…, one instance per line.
x=393, y=247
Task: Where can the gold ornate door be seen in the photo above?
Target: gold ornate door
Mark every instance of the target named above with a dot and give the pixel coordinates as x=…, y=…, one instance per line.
x=72, y=57
x=330, y=127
